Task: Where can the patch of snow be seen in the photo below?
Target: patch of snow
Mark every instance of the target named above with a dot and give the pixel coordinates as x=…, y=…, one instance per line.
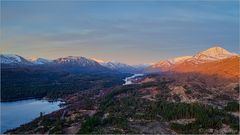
x=76, y=60
x=116, y=65
x=211, y=54
x=13, y=59
x=10, y=58
x=41, y=61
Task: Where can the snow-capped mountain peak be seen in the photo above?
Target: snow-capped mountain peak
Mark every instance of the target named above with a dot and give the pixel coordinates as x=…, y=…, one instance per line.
x=209, y=55
x=9, y=58
x=41, y=61
x=76, y=60
x=169, y=62
x=114, y=64
x=212, y=54
x=216, y=51
x=121, y=67
x=38, y=61
x=13, y=59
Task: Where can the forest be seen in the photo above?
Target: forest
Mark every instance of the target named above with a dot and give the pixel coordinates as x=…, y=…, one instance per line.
x=52, y=84
x=130, y=107
x=126, y=109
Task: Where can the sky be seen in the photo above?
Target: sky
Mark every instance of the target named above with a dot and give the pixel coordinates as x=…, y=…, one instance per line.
x=125, y=31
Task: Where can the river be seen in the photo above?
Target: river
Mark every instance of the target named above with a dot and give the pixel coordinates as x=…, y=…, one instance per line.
x=129, y=80
x=14, y=114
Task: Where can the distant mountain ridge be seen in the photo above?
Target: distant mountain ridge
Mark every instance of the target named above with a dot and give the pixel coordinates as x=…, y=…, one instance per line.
x=13, y=59
x=212, y=54
x=227, y=67
x=178, y=64
x=121, y=67
x=40, y=61
x=201, y=62
x=75, y=62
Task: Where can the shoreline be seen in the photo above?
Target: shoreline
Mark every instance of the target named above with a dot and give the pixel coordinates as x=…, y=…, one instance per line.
x=61, y=105
x=29, y=98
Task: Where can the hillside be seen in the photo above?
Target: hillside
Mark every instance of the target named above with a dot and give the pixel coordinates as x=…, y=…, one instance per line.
x=228, y=67
x=156, y=104
x=213, y=61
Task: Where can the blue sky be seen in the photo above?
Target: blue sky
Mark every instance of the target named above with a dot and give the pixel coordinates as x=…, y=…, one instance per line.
x=129, y=32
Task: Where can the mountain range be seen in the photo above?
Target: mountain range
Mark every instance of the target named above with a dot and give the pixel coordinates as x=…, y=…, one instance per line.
x=125, y=68
x=77, y=61
x=12, y=59
x=193, y=92
x=73, y=62
x=39, y=61
x=215, y=60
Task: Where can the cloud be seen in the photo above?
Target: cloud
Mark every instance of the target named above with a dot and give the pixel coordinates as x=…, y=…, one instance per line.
x=119, y=30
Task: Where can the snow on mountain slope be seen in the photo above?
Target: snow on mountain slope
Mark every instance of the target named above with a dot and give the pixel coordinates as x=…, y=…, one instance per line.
x=212, y=54
x=141, y=66
x=121, y=67
x=76, y=60
x=168, y=63
x=111, y=64
x=179, y=59
x=42, y=61
x=209, y=55
x=13, y=59
x=70, y=62
x=228, y=67
x=116, y=65
x=39, y=61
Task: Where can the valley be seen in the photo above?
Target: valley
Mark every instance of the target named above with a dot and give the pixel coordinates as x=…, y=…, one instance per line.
x=91, y=67
x=187, y=95
x=155, y=104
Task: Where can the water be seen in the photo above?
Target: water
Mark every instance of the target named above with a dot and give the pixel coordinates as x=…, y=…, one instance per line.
x=13, y=114
x=128, y=80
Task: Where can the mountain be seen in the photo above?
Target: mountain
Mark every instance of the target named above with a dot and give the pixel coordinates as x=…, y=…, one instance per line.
x=166, y=64
x=215, y=60
x=76, y=60
x=228, y=67
x=120, y=67
x=214, y=53
x=13, y=59
x=40, y=61
x=141, y=66
x=211, y=54
x=78, y=64
x=73, y=64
